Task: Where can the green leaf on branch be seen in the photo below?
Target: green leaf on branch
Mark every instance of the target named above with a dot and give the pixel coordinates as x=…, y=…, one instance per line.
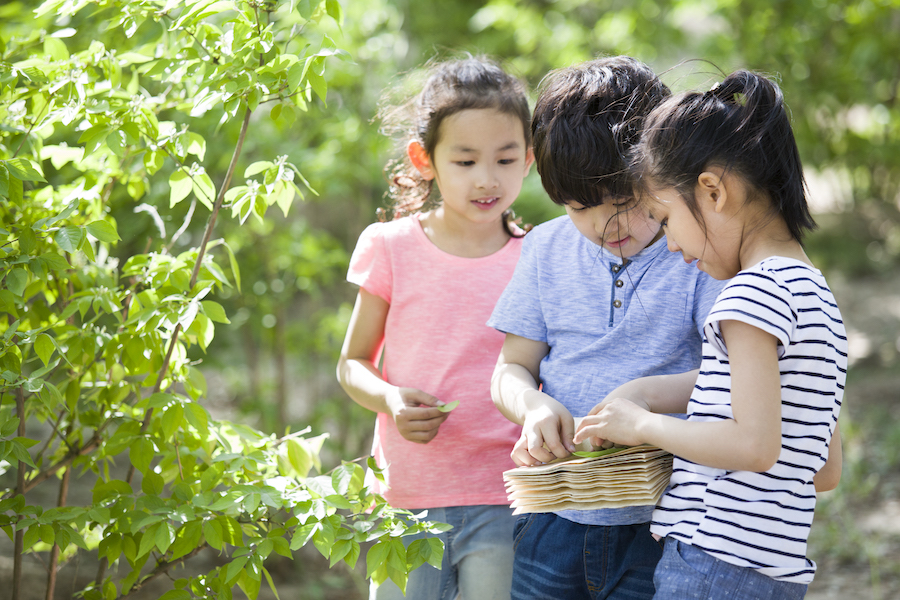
x=27, y=240
x=271, y=583
x=233, y=569
x=69, y=238
x=428, y=550
x=180, y=186
x=44, y=347
x=141, y=454
x=303, y=534
x=186, y=539
x=103, y=231
x=16, y=280
x=347, y=479
x=23, y=169
x=176, y=595
x=212, y=531
x=171, y=420
x=152, y=484
x=334, y=10
x=214, y=311
x=204, y=189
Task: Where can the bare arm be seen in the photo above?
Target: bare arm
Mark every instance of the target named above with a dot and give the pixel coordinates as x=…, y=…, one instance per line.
x=412, y=410
x=547, y=426
x=751, y=441
x=829, y=475
x=656, y=393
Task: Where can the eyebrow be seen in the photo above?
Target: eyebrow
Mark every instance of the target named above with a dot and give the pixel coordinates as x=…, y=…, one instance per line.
x=510, y=146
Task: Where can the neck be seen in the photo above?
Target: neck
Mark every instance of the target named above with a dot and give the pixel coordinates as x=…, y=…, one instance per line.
x=772, y=238
x=462, y=237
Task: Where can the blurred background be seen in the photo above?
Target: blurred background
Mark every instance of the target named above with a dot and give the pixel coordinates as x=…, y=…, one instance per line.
x=838, y=65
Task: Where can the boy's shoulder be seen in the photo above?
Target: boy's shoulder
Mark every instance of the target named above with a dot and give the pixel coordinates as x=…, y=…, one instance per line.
x=560, y=229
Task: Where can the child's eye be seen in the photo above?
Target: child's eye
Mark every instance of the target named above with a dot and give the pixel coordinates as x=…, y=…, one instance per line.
x=465, y=163
x=664, y=222
x=507, y=161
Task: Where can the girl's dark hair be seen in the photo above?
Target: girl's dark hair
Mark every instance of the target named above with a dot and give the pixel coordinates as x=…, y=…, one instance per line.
x=741, y=125
x=586, y=120
x=451, y=86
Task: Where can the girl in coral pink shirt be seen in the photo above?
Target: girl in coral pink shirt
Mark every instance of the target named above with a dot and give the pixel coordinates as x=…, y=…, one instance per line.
x=428, y=282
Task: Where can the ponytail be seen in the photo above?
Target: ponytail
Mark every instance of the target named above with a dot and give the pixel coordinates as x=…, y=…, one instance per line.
x=742, y=124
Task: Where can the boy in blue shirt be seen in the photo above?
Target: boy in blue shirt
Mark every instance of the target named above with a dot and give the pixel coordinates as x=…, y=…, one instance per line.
x=596, y=300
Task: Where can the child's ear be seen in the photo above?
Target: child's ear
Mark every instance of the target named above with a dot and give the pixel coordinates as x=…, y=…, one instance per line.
x=419, y=159
x=711, y=188
x=529, y=160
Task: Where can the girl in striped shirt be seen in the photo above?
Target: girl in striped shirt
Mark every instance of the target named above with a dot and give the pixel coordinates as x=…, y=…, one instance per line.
x=722, y=174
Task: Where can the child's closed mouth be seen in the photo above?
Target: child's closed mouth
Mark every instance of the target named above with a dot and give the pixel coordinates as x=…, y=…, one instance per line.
x=619, y=243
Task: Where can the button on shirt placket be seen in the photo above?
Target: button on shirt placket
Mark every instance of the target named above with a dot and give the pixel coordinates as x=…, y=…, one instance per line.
x=617, y=283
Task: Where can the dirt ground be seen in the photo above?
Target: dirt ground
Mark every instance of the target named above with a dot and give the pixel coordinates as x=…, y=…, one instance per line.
x=856, y=535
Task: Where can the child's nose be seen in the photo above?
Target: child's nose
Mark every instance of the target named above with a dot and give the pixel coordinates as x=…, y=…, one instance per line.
x=487, y=178
x=670, y=243
x=605, y=221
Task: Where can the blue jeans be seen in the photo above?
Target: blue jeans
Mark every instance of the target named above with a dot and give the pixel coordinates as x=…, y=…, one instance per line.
x=477, y=563
x=688, y=572
x=558, y=558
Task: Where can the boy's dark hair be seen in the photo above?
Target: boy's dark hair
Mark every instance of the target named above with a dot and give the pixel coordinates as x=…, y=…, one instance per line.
x=586, y=120
x=741, y=125
x=452, y=86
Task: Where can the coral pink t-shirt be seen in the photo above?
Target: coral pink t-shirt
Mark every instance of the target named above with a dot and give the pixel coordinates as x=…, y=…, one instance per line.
x=436, y=340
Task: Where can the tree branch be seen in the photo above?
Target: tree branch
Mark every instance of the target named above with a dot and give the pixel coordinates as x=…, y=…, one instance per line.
x=162, y=568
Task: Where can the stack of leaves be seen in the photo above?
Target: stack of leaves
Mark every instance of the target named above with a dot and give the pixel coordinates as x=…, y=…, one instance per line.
x=591, y=480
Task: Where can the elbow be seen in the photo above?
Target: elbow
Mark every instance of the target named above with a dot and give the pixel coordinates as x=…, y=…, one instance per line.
x=496, y=395
x=827, y=481
x=341, y=371
x=762, y=454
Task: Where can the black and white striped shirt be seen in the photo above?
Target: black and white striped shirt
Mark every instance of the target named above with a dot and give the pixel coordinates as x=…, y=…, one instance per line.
x=762, y=520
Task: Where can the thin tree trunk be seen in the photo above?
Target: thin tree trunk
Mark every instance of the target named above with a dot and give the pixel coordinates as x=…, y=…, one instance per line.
x=19, y=543
x=54, y=553
x=281, y=362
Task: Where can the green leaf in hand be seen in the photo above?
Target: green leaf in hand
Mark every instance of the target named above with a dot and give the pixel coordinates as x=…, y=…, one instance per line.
x=596, y=453
x=449, y=406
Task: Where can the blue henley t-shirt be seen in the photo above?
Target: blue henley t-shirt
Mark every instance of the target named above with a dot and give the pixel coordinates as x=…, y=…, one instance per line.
x=606, y=323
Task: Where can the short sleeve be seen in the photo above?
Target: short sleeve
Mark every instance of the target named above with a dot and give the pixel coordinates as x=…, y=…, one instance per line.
x=518, y=311
x=758, y=299
x=706, y=292
x=370, y=266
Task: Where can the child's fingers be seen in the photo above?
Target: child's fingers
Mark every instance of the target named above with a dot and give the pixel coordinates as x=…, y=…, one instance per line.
x=530, y=450
x=567, y=432
x=589, y=430
x=520, y=454
x=415, y=397
x=421, y=430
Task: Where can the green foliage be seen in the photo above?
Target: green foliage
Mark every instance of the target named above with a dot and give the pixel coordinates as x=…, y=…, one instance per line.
x=97, y=347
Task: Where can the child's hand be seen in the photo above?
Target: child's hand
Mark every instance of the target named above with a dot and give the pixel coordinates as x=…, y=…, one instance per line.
x=546, y=433
x=416, y=415
x=613, y=421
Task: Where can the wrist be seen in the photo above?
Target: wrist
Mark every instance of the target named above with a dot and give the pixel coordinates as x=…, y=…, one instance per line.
x=532, y=399
x=393, y=400
x=644, y=427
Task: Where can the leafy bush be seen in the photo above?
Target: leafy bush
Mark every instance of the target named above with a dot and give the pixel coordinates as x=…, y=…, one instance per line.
x=106, y=108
